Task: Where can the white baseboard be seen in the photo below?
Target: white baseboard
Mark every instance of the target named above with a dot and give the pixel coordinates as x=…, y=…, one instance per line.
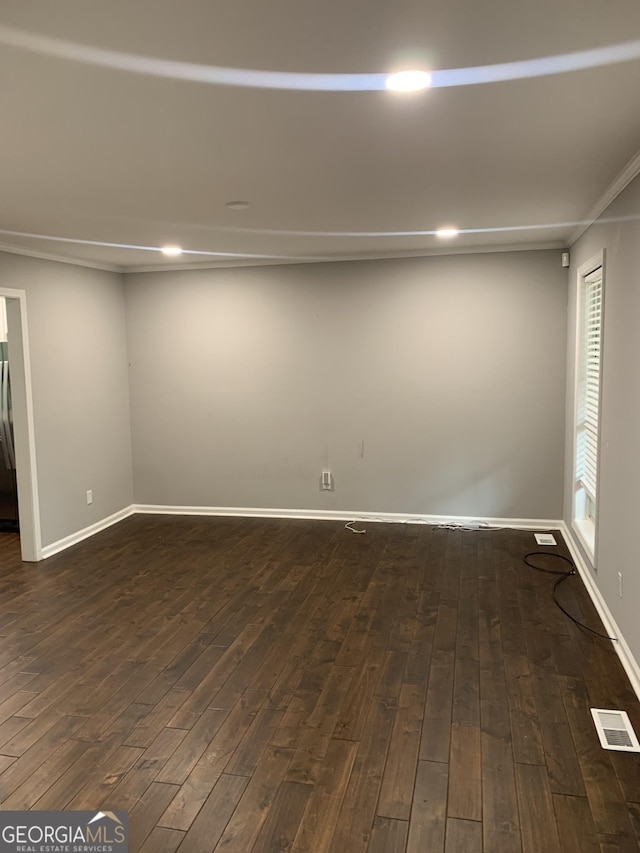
x=625, y=654
x=345, y=515
x=311, y=514
x=86, y=532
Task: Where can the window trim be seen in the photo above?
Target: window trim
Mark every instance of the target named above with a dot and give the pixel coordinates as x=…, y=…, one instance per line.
x=585, y=527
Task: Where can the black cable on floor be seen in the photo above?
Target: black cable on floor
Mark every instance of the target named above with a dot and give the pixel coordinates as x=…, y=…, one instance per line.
x=563, y=575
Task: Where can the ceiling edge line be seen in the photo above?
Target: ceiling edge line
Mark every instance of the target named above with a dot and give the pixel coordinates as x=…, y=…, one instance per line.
x=60, y=259
x=619, y=183
x=418, y=253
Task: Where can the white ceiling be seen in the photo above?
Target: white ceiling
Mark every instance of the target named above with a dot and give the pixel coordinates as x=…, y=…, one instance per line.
x=104, y=155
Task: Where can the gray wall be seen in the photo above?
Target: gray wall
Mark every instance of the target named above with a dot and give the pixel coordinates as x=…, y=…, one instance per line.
x=426, y=385
x=620, y=412
x=80, y=390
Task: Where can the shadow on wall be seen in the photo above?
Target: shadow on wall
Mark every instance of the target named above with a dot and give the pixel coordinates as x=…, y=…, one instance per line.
x=493, y=487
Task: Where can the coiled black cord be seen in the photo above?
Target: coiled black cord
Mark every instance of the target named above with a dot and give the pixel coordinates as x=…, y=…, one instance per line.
x=562, y=577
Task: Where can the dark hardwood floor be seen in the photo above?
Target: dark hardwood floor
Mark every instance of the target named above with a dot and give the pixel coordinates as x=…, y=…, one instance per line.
x=265, y=685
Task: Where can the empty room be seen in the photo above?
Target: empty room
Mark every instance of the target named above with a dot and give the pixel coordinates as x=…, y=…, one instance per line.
x=319, y=418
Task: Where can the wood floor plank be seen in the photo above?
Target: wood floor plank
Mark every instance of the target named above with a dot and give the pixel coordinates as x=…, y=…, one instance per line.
x=10, y=728
x=419, y=654
x=388, y=836
x=192, y=746
x=500, y=821
x=465, y=774
x=131, y=788
x=525, y=724
x=212, y=819
x=565, y=776
x=198, y=785
x=402, y=758
x=6, y=761
x=283, y=821
x=53, y=766
x=463, y=836
x=618, y=844
x=436, y=727
x=147, y=811
x=429, y=808
x=162, y=840
x=30, y=761
x=251, y=812
x=466, y=692
x=319, y=820
x=358, y=700
x=157, y=717
x=634, y=815
x=391, y=675
x=98, y=787
x=247, y=754
x=538, y=826
x=354, y=823
x=575, y=825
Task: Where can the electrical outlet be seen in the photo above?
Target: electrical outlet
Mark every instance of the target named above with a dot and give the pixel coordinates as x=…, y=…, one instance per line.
x=89, y=496
x=620, y=584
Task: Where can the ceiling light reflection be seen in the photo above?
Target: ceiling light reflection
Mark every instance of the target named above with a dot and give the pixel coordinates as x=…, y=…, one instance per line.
x=221, y=76
x=408, y=81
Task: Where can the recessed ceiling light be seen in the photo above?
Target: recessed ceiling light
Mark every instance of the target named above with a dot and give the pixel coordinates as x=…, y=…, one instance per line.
x=447, y=232
x=238, y=205
x=408, y=81
x=171, y=251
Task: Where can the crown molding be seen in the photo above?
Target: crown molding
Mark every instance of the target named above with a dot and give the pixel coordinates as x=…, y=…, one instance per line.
x=240, y=262
x=60, y=259
x=362, y=256
x=630, y=171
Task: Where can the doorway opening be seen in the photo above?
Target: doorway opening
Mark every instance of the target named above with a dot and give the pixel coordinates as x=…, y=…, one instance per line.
x=19, y=508
x=8, y=484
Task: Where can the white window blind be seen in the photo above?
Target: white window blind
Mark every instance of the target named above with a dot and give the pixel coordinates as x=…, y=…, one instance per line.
x=589, y=383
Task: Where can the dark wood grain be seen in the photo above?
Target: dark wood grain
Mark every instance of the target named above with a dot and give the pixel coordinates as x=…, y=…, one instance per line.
x=281, y=684
x=429, y=808
x=283, y=821
x=463, y=836
x=575, y=825
x=465, y=774
x=402, y=758
x=388, y=836
x=537, y=817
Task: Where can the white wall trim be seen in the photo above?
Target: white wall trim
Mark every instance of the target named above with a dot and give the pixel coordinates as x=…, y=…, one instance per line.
x=61, y=259
x=346, y=515
x=86, y=532
x=630, y=171
x=310, y=514
x=625, y=654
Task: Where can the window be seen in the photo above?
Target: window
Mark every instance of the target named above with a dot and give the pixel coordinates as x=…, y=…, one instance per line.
x=587, y=402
